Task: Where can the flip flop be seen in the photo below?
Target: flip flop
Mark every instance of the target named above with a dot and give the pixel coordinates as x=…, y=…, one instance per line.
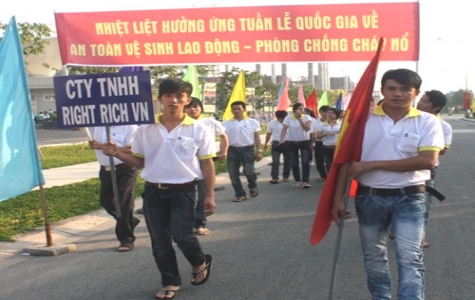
x=239, y=199
x=201, y=231
x=125, y=247
x=209, y=261
x=274, y=181
x=166, y=292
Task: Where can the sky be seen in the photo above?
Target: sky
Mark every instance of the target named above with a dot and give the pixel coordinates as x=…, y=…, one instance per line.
x=446, y=61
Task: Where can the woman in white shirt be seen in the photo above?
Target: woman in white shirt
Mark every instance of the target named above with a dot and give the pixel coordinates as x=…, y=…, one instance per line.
x=298, y=126
x=328, y=133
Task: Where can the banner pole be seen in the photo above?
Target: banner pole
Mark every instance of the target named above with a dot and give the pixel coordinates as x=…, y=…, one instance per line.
x=338, y=241
x=115, y=188
x=44, y=206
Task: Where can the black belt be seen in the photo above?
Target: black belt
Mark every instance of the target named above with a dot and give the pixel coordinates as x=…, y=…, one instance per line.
x=117, y=167
x=242, y=148
x=167, y=186
x=408, y=190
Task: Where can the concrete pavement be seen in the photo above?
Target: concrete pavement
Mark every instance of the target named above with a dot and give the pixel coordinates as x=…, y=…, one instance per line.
x=70, y=230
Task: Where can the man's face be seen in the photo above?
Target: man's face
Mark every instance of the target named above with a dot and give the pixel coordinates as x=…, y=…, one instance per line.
x=193, y=111
x=238, y=111
x=173, y=102
x=323, y=114
x=397, y=96
x=425, y=105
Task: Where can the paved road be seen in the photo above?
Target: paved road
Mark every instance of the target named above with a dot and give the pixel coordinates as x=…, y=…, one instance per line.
x=261, y=249
x=48, y=137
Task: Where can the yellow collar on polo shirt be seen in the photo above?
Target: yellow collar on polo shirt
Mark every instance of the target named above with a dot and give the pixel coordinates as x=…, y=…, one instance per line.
x=293, y=117
x=186, y=121
x=326, y=122
x=413, y=112
x=244, y=118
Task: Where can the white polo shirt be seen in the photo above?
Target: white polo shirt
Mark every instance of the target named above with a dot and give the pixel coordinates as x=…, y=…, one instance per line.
x=295, y=130
x=216, y=127
x=122, y=136
x=173, y=157
x=275, y=128
x=386, y=140
x=329, y=140
x=241, y=133
x=447, y=129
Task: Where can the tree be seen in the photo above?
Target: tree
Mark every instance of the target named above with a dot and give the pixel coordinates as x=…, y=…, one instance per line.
x=32, y=37
x=225, y=87
x=455, y=99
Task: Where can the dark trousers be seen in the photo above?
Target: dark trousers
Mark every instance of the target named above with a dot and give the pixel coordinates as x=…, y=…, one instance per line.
x=305, y=150
x=328, y=154
x=244, y=156
x=126, y=178
x=200, y=218
x=276, y=152
x=169, y=214
x=319, y=162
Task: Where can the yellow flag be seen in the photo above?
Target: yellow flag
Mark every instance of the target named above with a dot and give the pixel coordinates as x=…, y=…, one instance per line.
x=238, y=94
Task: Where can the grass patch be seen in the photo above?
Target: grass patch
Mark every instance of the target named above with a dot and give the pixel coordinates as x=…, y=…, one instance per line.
x=24, y=213
x=61, y=156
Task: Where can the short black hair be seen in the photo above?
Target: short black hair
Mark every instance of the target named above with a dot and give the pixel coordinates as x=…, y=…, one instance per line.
x=174, y=85
x=239, y=102
x=437, y=98
x=296, y=106
x=194, y=102
x=405, y=77
x=309, y=112
x=280, y=114
x=335, y=110
x=324, y=108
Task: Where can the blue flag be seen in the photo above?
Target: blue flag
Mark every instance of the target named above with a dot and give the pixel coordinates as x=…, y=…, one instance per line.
x=20, y=169
x=339, y=102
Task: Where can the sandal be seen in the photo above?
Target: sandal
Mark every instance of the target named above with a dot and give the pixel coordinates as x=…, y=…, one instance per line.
x=254, y=192
x=239, y=199
x=201, y=231
x=285, y=180
x=166, y=292
x=321, y=179
x=306, y=185
x=296, y=184
x=207, y=268
x=274, y=181
x=125, y=247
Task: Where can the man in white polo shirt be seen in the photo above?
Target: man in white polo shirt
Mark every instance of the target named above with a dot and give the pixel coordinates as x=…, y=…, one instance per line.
x=243, y=134
x=433, y=102
x=174, y=154
x=400, y=146
x=274, y=130
x=126, y=177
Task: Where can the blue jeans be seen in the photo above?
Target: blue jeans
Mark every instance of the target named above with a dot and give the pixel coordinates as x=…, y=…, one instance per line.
x=244, y=156
x=405, y=214
x=305, y=154
x=169, y=214
x=276, y=152
x=200, y=218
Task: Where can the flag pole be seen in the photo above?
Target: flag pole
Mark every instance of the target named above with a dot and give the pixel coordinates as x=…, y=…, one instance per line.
x=338, y=241
x=115, y=188
x=44, y=206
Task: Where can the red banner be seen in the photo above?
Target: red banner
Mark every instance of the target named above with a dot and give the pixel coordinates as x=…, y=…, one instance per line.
x=339, y=32
x=467, y=100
